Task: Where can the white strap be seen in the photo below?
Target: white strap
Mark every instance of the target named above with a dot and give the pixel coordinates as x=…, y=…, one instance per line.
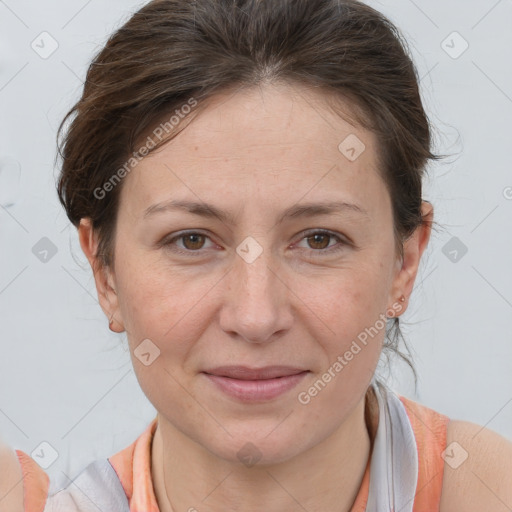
x=96, y=488
x=394, y=464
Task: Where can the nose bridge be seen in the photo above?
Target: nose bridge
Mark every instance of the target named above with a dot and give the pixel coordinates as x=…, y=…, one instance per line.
x=254, y=268
x=256, y=307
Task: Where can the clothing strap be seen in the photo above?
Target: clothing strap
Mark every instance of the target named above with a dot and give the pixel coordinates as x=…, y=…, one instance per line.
x=96, y=488
x=394, y=464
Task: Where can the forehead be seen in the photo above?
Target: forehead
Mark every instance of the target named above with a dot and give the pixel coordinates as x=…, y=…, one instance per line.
x=275, y=140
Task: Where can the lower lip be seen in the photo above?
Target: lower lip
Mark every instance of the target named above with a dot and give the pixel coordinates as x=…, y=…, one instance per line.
x=256, y=390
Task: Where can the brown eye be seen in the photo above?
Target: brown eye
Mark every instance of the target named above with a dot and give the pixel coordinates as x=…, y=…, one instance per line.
x=193, y=241
x=319, y=240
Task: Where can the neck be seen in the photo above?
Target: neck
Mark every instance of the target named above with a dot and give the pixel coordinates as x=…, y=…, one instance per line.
x=186, y=477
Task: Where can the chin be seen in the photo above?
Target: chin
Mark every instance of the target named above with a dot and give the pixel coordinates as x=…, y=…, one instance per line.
x=258, y=447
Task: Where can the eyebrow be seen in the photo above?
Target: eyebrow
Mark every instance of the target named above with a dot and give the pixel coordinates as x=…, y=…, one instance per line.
x=298, y=210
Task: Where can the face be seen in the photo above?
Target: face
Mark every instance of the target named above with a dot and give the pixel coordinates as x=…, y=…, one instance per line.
x=271, y=281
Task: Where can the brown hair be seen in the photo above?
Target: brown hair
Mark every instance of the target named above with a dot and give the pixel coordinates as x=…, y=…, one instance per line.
x=173, y=50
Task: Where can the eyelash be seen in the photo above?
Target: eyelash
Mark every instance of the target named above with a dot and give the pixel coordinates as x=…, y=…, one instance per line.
x=305, y=234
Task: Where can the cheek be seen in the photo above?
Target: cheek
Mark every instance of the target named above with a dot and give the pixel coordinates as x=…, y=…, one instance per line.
x=354, y=333
x=353, y=318
x=151, y=300
x=158, y=307
x=357, y=297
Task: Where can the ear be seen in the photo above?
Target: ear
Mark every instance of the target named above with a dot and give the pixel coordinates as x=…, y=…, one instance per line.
x=103, y=276
x=414, y=247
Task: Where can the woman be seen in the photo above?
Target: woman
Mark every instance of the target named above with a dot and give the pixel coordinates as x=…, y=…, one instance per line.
x=245, y=178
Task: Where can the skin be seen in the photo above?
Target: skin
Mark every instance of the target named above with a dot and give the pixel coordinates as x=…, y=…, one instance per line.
x=484, y=480
x=254, y=154
x=11, y=480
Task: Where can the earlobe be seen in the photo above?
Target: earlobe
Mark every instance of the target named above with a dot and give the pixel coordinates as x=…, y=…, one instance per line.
x=103, y=277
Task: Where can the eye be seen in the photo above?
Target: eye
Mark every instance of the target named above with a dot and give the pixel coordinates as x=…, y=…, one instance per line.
x=319, y=241
x=193, y=241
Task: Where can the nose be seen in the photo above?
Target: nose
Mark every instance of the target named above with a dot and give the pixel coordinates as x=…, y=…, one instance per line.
x=256, y=301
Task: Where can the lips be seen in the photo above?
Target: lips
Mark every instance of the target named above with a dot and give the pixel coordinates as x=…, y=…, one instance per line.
x=255, y=385
x=246, y=373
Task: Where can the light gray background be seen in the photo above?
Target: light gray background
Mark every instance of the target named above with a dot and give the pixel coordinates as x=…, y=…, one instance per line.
x=67, y=380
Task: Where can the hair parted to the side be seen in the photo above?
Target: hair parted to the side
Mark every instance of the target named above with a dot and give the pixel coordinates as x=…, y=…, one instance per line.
x=173, y=50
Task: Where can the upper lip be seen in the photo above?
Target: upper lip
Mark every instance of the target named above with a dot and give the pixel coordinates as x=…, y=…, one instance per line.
x=246, y=373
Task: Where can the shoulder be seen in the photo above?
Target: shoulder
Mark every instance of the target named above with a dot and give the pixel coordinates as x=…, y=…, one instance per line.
x=477, y=470
x=11, y=480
